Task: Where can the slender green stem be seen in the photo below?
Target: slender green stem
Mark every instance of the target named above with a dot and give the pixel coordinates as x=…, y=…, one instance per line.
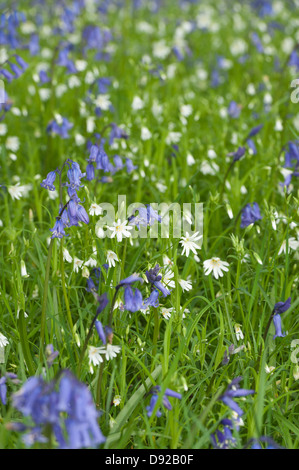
x=66, y=300
x=112, y=307
x=99, y=383
x=156, y=331
x=265, y=336
x=226, y=175
x=45, y=297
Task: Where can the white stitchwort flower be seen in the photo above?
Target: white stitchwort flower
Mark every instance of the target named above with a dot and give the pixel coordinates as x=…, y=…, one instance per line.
x=188, y=243
x=215, y=265
x=293, y=244
x=12, y=143
x=116, y=400
x=103, y=102
x=145, y=133
x=77, y=264
x=239, y=333
x=66, y=256
x=166, y=312
x=23, y=269
x=3, y=129
x=269, y=369
x=95, y=209
x=167, y=278
x=3, y=341
x=111, y=257
x=185, y=285
x=137, y=103
x=120, y=230
x=17, y=191
x=109, y=351
x=94, y=356
x=91, y=262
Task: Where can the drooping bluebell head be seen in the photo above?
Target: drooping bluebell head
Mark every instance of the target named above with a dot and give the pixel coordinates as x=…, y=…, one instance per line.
x=250, y=214
x=49, y=180
x=281, y=307
x=237, y=154
x=58, y=229
x=234, y=109
x=155, y=279
x=234, y=391
x=133, y=299
x=155, y=394
x=64, y=406
x=278, y=327
x=152, y=300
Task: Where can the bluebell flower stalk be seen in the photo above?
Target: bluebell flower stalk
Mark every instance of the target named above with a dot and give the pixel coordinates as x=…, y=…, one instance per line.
x=102, y=303
x=69, y=214
x=154, y=398
x=279, y=307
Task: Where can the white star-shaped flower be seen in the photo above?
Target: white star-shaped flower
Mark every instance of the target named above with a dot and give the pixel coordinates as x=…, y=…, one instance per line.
x=120, y=230
x=215, y=265
x=111, y=257
x=188, y=243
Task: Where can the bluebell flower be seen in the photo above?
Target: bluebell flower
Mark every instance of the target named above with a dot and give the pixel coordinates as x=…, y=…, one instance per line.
x=58, y=229
x=102, y=161
x=234, y=391
x=43, y=77
x=130, y=280
x=3, y=385
x=65, y=61
x=130, y=166
x=74, y=175
x=116, y=133
x=90, y=285
x=254, y=131
x=250, y=214
x=60, y=129
x=237, y=154
x=49, y=180
x=152, y=300
x=224, y=439
x=102, y=302
x=103, y=84
x=278, y=328
x=118, y=162
x=63, y=405
x=281, y=307
x=33, y=45
x=234, y=110
x=6, y=74
x=93, y=152
x=294, y=59
x=252, y=146
x=146, y=216
x=257, y=42
x=133, y=299
x=292, y=155
x=82, y=214
x=51, y=354
x=168, y=393
x=255, y=443
x=155, y=279
x=3, y=390
x=90, y=173
x=263, y=7
x=100, y=330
